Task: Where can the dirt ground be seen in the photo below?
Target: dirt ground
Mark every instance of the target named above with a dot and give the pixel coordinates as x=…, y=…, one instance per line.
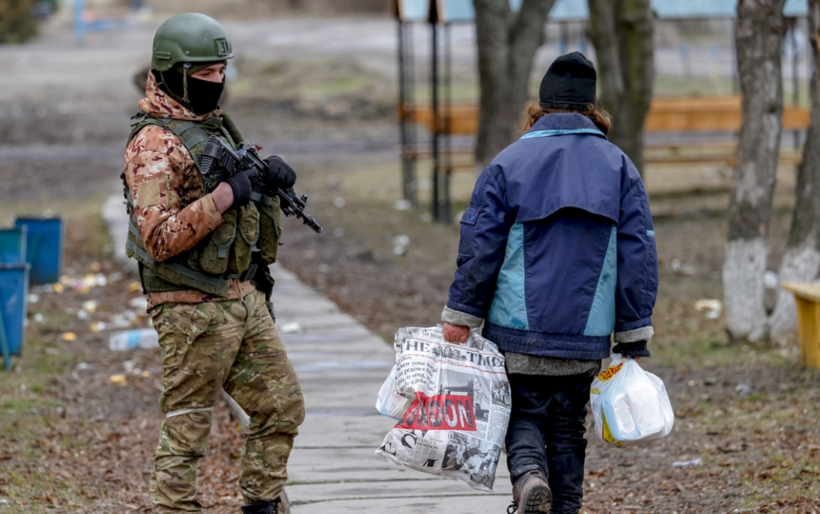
x=73, y=441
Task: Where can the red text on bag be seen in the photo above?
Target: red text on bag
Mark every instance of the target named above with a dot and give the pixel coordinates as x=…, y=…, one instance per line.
x=440, y=412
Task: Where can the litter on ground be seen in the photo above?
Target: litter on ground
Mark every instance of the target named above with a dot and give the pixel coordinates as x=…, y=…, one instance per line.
x=712, y=308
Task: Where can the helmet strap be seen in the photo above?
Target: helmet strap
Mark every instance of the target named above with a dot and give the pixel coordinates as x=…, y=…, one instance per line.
x=170, y=85
x=185, y=67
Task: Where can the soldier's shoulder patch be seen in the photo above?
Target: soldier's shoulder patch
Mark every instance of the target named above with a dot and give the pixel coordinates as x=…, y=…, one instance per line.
x=148, y=193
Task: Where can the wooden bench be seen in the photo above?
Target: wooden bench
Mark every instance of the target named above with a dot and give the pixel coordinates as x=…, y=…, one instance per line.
x=807, y=297
x=666, y=115
x=707, y=115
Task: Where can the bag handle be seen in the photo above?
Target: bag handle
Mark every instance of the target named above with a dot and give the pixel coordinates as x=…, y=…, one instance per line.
x=471, y=338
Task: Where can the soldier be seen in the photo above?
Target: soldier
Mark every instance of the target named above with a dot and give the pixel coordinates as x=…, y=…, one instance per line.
x=203, y=250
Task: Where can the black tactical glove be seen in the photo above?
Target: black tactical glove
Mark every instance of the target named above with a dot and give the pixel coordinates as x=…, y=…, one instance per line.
x=263, y=507
x=636, y=349
x=280, y=175
x=241, y=186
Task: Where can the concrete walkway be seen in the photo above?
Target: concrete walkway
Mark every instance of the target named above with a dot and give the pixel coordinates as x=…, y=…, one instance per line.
x=341, y=365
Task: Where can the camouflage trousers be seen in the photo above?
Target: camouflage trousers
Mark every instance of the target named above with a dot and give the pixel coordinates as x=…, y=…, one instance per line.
x=206, y=347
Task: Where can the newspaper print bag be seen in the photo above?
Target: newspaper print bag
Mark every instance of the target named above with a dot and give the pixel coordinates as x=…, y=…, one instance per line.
x=452, y=403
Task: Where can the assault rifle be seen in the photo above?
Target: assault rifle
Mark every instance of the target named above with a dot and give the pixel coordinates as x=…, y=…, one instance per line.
x=220, y=161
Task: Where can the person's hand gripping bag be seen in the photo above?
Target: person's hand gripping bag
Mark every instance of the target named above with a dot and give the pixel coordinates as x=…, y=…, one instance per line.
x=630, y=404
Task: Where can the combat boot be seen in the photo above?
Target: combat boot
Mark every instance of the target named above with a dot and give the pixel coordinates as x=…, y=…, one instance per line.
x=272, y=507
x=531, y=494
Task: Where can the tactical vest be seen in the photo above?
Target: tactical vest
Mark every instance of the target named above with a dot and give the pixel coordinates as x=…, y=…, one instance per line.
x=248, y=237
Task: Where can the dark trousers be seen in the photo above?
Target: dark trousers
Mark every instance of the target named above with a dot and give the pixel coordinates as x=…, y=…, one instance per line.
x=547, y=433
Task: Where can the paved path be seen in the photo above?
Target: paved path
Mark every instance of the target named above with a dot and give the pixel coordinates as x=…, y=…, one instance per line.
x=341, y=365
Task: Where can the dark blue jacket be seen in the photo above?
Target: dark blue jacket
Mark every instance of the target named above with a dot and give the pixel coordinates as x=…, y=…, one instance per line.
x=557, y=246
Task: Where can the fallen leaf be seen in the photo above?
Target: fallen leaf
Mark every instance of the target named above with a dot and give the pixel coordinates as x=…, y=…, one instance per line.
x=765, y=474
x=732, y=448
x=600, y=472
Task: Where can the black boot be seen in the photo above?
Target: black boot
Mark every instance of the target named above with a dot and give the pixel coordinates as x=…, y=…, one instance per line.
x=531, y=494
x=271, y=507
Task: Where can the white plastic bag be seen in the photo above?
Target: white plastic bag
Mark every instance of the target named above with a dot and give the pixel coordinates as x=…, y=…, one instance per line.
x=389, y=402
x=455, y=406
x=630, y=404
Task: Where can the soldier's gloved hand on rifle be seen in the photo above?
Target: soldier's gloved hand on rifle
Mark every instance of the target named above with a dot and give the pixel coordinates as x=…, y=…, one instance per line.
x=241, y=185
x=280, y=175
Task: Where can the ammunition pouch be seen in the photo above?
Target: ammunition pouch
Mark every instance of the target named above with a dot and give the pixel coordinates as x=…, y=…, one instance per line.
x=247, y=227
x=270, y=229
x=212, y=253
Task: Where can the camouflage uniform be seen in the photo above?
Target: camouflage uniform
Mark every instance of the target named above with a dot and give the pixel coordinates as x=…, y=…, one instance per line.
x=206, y=346
x=208, y=343
x=172, y=212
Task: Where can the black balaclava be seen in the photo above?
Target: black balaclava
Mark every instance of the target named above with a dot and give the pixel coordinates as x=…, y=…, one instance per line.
x=200, y=96
x=204, y=95
x=569, y=83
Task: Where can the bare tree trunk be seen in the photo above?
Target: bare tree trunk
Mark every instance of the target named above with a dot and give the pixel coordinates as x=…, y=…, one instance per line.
x=506, y=46
x=758, y=34
x=802, y=259
x=621, y=31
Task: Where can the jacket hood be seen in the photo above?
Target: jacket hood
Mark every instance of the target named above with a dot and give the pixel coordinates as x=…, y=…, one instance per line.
x=157, y=104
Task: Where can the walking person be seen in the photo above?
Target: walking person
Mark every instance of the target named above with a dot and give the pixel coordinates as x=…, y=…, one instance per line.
x=203, y=249
x=557, y=252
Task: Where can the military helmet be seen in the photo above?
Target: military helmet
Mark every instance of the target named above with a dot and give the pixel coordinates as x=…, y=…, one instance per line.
x=190, y=38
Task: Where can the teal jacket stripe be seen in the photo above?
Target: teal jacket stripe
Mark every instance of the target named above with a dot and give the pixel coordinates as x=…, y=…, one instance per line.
x=601, y=321
x=509, y=307
x=562, y=132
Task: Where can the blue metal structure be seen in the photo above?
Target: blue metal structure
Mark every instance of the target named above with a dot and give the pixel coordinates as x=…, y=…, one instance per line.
x=569, y=10
x=81, y=26
x=442, y=11
x=12, y=246
x=44, y=244
x=413, y=10
x=578, y=10
x=13, y=306
x=456, y=11
x=699, y=9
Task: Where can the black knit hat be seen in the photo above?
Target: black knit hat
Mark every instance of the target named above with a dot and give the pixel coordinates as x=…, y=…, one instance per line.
x=569, y=83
